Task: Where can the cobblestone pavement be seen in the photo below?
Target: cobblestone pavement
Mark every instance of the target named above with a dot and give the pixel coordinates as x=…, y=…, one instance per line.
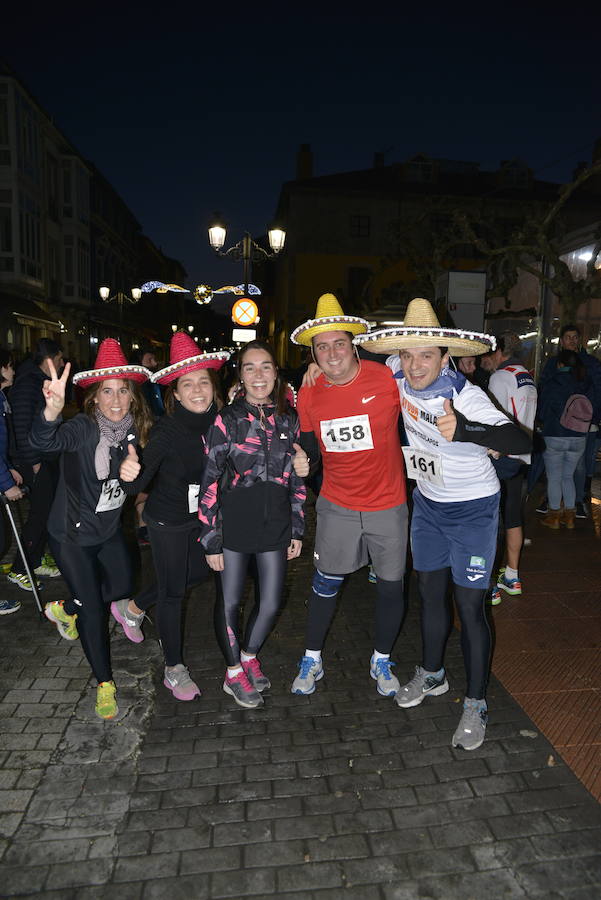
x=337, y=795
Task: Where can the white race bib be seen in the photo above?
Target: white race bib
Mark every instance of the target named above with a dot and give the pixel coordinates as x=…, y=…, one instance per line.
x=347, y=435
x=423, y=465
x=193, y=492
x=112, y=496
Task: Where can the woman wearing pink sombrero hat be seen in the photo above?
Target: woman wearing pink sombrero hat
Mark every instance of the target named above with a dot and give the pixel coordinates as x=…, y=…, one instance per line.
x=174, y=461
x=84, y=526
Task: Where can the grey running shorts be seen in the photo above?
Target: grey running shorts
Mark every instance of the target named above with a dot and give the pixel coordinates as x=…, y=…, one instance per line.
x=347, y=540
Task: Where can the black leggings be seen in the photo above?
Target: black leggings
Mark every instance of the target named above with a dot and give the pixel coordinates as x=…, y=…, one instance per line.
x=271, y=571
x=95, y=577
x=33, y=534
x=179, y=563
x=436, y=626
x=389, y=615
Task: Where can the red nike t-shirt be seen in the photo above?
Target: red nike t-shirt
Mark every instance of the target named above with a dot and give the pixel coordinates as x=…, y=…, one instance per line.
x=356, y=426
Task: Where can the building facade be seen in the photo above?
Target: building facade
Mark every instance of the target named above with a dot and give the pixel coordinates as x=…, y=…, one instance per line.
x=379, y=236
x=64, y=232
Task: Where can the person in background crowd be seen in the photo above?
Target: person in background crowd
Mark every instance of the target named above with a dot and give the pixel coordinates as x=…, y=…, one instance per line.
x=570, y=339
x=174, y=461
x=10, y=479
x=564, y=435
x=85, y=529
x=251, y=507
x=513, y=388
x=154, y=400
x=39, y=470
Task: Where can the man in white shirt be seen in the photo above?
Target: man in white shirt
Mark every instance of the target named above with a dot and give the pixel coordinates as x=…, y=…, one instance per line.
x=512, y=386
x=450, y=426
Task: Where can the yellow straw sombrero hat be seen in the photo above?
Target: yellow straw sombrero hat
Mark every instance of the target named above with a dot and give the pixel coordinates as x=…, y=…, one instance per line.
x=328, y=317
x=421, y=328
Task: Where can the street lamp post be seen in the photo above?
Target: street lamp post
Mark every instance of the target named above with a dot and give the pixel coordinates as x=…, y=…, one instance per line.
x=247, y=250
x=121, y=298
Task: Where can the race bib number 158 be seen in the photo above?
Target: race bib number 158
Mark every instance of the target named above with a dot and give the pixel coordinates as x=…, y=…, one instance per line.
x=347, y=435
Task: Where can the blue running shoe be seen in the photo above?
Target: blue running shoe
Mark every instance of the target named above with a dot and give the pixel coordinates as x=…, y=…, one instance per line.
x=309, y=671
x=388, y=684
x=511, y=585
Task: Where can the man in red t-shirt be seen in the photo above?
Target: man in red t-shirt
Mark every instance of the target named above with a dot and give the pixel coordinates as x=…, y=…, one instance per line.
x=350, y=418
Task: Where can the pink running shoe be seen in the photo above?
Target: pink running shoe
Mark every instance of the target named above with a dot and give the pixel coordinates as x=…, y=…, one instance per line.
x=254, y=674
x=130, y=623
x=177, y=679
x=242, y=690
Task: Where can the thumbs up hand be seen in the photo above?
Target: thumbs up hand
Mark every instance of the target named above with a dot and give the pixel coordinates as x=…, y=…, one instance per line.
x=447, y=423
x=300, y=461
x=130, y=467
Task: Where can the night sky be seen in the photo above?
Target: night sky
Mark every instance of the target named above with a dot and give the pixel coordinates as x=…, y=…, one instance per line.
x=190, y=113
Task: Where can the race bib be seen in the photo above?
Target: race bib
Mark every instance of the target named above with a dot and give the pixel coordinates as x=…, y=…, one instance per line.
x=193, y=492
x=423, y=465
x=348, y=435
x=112, y=496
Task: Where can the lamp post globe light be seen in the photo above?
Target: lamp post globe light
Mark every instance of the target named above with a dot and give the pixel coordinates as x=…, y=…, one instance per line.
x=121, y=298
x=247, y=250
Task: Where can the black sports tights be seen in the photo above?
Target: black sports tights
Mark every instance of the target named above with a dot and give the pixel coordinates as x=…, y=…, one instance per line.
x=95, y=576
x=179, y=563
x=436, y=625
x=271, y=571
x=389, y=615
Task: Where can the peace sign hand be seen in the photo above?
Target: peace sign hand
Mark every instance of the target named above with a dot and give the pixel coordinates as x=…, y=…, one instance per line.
x=54, y=392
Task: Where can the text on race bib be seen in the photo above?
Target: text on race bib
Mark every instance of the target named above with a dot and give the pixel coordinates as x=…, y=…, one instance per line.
x=347, y=435
x=193, y=492
x=112, y=496
x=423, y=465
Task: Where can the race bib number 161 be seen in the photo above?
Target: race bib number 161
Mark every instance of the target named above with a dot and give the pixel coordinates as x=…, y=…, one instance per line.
x=347, y=435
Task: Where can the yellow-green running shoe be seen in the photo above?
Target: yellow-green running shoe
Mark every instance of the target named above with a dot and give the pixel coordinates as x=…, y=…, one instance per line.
x=66, y=624
x=106, y=702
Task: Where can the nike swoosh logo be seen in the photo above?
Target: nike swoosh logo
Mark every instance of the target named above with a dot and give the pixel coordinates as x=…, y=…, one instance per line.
x=367, y=399
x=474, y=577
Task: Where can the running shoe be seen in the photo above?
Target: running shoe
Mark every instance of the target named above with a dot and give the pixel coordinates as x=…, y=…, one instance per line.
x=309, y=671
x=66, y=624
x=494, y=596
x=177, y=679
x=47, y=567
x=472, y=725
x=9, y=606
x=372, y=577
x=423, y=684
x=5, y=568
x=511, y=586
x=106, y=702
x=21, y=581
x=379, y=669
x=254, y=674
x=543, y=506
x=582, y=511
x=47, y=571
x=130, y=622
x=242, y=690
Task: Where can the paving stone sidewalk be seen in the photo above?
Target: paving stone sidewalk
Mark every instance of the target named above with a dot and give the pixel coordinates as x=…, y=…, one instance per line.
x=337, y=795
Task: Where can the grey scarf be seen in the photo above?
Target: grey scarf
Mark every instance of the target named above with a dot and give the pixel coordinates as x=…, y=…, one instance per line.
x=111, y=435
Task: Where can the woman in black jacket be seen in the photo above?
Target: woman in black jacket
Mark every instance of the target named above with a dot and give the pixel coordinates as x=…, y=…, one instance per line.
x=174, y=462
x=251, y=507
x=84, y=525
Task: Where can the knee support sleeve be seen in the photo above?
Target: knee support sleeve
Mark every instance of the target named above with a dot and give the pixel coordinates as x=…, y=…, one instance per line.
x=325, y=585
